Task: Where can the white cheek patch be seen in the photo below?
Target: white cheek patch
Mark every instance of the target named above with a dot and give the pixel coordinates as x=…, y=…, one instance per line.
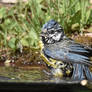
x=57, y=37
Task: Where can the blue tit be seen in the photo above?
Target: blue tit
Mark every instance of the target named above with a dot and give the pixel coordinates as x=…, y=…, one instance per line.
x=71, y=58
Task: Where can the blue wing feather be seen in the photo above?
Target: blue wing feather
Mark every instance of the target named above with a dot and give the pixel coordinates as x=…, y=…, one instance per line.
x=75, y=53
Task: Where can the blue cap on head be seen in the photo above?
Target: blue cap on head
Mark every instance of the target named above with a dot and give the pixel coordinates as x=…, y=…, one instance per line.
x=49, y=24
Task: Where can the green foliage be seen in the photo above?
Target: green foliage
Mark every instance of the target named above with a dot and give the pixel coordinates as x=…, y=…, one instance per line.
x=22, y=23
x=2, y=12
x=12, y=43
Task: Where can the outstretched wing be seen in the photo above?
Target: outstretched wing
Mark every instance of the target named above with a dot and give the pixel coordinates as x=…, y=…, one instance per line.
x=69, y=51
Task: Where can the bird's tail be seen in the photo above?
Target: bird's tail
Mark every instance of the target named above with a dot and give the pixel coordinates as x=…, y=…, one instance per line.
x=81, y=72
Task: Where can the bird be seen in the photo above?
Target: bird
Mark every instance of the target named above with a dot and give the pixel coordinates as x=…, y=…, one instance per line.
x=65, y=57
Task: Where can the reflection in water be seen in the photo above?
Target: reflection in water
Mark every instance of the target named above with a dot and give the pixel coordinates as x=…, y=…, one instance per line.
x=22, y=75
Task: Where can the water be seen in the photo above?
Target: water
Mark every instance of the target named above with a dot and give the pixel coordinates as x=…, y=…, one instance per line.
x=32, y=75
x=14, y=74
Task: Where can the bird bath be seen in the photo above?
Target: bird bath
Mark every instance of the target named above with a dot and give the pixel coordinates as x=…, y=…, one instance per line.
x=13, y=78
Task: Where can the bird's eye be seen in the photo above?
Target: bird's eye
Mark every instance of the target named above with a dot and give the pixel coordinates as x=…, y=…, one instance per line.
x=59, y=31
x=51, y=31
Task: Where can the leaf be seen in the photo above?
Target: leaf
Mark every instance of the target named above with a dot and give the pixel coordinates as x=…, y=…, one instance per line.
x=11, y=43
x=39, y=1
x=2, y=12
x=33, y=34
x=76, y=17
x=75, y=26
x=7, y=21
x=88, y=13
x=24, y=42
x=32, y=38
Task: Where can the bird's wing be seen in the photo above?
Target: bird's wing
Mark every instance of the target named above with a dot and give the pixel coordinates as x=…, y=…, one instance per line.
x=81, y=71
x=69, y=51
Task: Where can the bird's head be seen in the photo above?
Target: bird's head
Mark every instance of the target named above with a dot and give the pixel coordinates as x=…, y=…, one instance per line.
x=52, y=32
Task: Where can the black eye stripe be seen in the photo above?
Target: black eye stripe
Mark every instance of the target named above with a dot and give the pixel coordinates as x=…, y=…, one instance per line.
x=59, y=30
x=52, y=31
x=49, y=29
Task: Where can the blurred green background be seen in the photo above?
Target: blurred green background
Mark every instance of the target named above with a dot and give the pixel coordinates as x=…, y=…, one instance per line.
x=21, y=25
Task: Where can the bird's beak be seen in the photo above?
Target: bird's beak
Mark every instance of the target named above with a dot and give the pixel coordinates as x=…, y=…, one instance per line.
x=43, y=33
